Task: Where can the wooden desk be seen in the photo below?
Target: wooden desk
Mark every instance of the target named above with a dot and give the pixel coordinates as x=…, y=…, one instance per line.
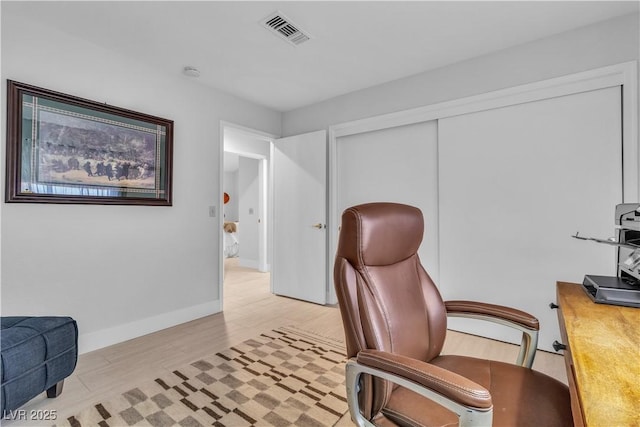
x=602, y=359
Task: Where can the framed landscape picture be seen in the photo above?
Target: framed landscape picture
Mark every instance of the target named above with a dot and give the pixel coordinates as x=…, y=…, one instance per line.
x=64, y=149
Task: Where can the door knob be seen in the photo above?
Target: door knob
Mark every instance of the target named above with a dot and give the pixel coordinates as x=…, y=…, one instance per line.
x=319, y=226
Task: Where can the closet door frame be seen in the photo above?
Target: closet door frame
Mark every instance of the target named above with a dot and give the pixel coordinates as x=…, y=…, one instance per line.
x=624, y=75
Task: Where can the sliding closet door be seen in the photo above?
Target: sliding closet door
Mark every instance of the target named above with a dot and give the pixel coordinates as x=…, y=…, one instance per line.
x=515, y=184
x=393, y=165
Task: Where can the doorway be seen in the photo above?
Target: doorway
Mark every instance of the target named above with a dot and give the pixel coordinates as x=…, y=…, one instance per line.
x=244, y=221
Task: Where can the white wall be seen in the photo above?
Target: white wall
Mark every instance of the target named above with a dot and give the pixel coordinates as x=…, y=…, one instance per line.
x=231, y=188
x=606, y=43
x=249, y=188
x=120, y=271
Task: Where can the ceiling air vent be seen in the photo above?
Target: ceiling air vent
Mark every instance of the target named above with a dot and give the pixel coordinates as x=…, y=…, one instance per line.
x=285, y=29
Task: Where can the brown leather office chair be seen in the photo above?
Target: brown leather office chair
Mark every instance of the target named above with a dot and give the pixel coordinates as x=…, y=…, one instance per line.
x=395, y=324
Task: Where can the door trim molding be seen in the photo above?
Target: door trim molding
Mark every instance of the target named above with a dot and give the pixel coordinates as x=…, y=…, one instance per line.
x=624, y=75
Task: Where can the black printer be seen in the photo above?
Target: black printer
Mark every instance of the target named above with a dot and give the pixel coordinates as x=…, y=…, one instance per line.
x=624, y=289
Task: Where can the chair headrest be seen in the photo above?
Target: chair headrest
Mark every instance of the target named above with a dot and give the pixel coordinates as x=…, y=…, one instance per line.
x=376, y=234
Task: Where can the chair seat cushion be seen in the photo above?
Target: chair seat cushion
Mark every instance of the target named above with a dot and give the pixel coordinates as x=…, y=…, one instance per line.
x=521, y=397
x=37, y=353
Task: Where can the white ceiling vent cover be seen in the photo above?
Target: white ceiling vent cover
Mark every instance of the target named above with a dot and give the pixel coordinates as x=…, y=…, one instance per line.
x=284, y=28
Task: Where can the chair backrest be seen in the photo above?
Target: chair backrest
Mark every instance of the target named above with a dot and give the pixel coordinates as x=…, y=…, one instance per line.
x=387, y=300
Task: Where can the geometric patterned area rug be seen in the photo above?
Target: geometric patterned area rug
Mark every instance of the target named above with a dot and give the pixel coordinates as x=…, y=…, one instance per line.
x=286, y=377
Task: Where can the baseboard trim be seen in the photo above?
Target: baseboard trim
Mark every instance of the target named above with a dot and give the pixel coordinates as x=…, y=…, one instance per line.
x=109, y=336
x=249, y=263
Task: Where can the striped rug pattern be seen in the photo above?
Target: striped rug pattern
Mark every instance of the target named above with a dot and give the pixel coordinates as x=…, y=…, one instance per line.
x=286, y=377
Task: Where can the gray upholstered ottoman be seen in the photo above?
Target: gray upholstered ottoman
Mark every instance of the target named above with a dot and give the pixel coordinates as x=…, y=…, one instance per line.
x=38, y=353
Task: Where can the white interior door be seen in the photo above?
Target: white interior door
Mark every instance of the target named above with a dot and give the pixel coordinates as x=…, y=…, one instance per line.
x=515, y=184
x=299, y=263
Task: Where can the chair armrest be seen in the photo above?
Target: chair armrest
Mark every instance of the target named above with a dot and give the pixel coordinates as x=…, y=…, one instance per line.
x=447, y=383
x=517, y=319
x=470, y=401
x=508, y=314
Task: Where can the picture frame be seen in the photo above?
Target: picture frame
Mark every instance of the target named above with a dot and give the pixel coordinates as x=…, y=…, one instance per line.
x=65, y=149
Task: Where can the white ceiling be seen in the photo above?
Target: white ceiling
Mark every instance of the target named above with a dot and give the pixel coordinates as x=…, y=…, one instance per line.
x=354, y=45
